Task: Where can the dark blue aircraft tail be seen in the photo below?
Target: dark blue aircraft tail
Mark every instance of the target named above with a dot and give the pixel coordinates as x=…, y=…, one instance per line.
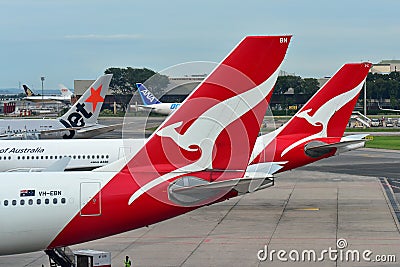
x=147, y=97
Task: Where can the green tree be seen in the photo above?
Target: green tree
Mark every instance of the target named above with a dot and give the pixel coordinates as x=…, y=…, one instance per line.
x=285, y=82
x=299, y=85
x=124, y=79
x=309, y=86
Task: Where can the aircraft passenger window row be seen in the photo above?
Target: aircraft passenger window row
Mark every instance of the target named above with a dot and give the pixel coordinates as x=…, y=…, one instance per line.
x=5, y=158
x=59, y=157
x=23, y=131
x=30, y=202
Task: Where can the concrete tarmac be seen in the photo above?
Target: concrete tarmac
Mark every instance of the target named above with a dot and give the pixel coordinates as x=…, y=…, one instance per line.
x=308, y=209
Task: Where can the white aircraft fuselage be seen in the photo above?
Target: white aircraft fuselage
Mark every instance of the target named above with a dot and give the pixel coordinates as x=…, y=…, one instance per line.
x=28, y=155
x=161, y=108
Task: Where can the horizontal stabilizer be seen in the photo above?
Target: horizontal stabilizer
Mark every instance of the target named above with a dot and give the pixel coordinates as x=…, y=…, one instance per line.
x=146, y=107
x=342, y=146
x=265, y=167
x=354, y=137
x=83, y=131
x=189, y=190
x=98, y=128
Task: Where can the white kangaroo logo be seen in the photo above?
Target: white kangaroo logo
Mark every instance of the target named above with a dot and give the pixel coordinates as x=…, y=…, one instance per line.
x=204, y=131
x=323, y=115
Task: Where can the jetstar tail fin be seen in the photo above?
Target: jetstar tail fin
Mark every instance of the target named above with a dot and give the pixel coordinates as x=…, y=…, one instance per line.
x=86, y=110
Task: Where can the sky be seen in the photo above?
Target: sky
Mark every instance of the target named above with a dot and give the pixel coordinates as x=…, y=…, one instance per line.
x=64, y=40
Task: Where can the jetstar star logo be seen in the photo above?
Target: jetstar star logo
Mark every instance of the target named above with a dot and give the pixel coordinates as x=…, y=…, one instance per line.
x=95, y=97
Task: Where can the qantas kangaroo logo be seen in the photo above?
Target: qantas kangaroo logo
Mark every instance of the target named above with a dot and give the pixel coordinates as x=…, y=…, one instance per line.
x=243, y=102
x=323, y=115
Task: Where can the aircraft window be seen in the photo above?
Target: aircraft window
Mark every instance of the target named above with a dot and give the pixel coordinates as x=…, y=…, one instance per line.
x=106, y=156
x=93, y=157
x=30, y=201
x=63, y=200
x=22, y=202
x=38, y=201
x=46, y=201
x=54, y=200
x=18, y=157
x=37, y=157
x=5, y=202
x=47, y=157
x=23, y=157
x=74, y=157
x=98, y=156
x=51, y=157
x=41, y=157
x=27, y=157
x=55, y=157
x=14, y=202
x=102, y=156
x=83, y=156
x=79, y=156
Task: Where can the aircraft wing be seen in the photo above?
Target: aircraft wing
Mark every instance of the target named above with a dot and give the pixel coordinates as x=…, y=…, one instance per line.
x=59, y=165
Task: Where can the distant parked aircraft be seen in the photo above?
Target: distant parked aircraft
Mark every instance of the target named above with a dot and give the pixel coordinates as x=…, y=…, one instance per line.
x=65, y=96
x=150, y=102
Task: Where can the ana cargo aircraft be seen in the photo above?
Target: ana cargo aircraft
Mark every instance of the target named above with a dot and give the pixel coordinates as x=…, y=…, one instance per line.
x=65, y=96
x=206, y=149
x=151, y=103
x=341, y=91
x=79, y=122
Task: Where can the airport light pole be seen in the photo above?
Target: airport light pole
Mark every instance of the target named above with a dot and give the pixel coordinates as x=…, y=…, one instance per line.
x=42, y=79
x=365, y=98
